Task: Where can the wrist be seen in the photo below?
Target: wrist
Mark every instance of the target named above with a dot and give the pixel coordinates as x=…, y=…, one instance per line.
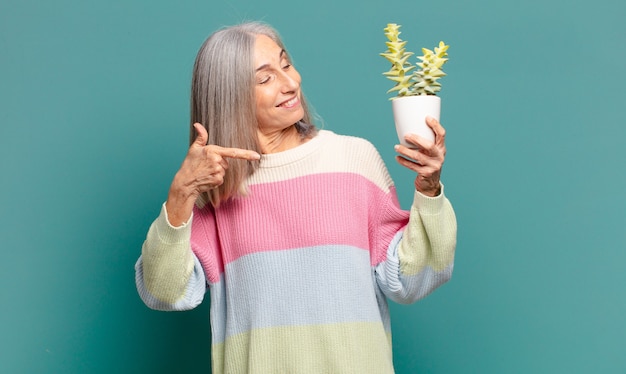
x=179, y=205
x=428, y=187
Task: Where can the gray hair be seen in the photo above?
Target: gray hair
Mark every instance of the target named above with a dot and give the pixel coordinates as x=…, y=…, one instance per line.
x=222, y=100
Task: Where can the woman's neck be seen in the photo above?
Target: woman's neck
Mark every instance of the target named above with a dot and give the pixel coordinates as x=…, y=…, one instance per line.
x=280, y=141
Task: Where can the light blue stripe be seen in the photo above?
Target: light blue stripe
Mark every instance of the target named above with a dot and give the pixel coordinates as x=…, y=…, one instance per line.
x=314, y=285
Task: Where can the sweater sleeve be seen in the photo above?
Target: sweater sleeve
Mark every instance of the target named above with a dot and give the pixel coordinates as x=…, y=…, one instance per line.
x=420, y=258
x=168, y=275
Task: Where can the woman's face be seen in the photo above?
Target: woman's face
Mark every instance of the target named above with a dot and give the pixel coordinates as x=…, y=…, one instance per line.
x=277, y=87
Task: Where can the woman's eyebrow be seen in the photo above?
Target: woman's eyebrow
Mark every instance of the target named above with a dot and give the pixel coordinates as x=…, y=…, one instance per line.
x=266, y=66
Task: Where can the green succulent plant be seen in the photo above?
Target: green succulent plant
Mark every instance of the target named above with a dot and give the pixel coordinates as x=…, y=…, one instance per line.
x=409, y=80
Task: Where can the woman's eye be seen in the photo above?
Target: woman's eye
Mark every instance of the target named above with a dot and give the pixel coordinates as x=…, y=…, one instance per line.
x=264, y=80
x=286, y=66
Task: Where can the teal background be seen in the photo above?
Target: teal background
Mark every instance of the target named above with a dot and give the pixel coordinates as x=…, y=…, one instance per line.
x=94, y=112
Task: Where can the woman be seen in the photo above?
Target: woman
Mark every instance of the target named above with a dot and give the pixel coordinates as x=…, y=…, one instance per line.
x=296, y=233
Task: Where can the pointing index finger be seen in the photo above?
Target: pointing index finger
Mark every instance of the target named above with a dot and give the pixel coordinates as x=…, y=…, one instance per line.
x=243, y=154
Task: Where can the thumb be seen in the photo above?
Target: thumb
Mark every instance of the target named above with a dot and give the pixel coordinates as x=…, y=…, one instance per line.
x=202, y=137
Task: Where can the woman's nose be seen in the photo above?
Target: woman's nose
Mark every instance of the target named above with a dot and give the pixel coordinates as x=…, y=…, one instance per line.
x=289, y=83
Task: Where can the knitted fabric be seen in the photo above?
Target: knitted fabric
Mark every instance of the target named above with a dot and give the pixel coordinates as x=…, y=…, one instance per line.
x=299, y=271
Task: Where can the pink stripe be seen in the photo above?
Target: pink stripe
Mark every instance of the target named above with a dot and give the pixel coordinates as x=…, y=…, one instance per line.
x=318, y=209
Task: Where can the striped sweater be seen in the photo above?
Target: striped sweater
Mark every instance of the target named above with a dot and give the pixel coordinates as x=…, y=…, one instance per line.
x=300, y=270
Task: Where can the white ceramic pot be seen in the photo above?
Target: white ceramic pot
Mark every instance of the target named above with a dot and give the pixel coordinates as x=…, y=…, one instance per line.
x=409, y=114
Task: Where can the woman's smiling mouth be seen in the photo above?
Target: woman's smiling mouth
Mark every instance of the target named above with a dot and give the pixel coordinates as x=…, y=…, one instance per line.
x=290, y=103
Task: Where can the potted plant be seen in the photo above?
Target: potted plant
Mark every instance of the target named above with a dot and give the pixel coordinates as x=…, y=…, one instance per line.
x=416, y=89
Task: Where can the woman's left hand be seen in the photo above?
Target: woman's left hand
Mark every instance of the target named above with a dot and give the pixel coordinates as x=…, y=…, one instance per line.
x=427, y=159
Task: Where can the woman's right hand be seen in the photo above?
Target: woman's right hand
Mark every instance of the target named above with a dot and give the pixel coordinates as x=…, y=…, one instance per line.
x=202, y=170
